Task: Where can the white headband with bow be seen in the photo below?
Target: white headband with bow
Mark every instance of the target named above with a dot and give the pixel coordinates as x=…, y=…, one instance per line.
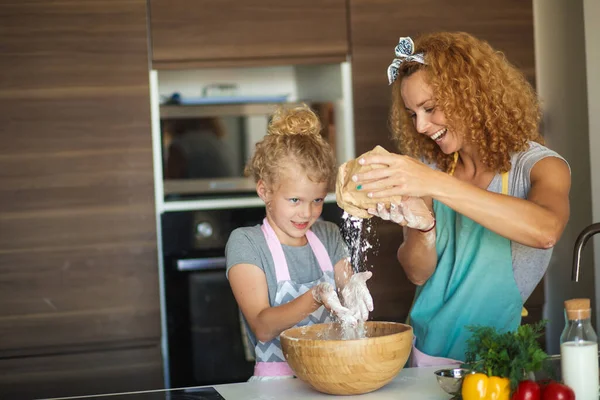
x=404, y=52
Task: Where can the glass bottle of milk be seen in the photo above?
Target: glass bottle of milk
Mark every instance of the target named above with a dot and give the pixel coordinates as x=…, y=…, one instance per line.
x=579, y=350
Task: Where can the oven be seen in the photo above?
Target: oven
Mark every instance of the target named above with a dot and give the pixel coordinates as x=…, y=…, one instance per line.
x=205, y=338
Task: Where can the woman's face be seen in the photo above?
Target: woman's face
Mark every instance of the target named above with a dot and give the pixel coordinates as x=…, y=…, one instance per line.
x=426, y=116
x=294, y=205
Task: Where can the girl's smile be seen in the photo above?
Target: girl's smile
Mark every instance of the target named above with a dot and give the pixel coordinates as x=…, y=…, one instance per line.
x=301, y=226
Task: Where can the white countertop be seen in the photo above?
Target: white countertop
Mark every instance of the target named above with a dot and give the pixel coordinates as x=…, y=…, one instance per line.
x=410, y=384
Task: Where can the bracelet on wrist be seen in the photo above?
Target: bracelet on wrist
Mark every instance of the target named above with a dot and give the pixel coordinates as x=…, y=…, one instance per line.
x=427, y=230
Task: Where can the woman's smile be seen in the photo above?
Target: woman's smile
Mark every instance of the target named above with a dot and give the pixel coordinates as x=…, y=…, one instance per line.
x=439, y=135
x=427, y=117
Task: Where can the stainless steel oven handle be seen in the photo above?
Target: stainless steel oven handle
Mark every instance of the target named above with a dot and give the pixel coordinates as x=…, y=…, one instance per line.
x=199, y=264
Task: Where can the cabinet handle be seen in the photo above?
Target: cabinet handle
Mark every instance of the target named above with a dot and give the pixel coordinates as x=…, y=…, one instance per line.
x=199, y=264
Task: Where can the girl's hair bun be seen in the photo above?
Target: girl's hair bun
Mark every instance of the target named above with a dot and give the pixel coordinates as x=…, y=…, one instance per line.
x=293, y=141
x=299, y=120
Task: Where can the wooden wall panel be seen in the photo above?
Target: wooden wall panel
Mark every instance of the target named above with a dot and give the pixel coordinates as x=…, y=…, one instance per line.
x=375, y=27
x=72, y=45
x=78, y=257
x=85, y=297
x=118, y=370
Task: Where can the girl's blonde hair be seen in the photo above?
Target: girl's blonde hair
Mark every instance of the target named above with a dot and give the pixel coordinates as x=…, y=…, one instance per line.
x=481, y=95
x=293, y=139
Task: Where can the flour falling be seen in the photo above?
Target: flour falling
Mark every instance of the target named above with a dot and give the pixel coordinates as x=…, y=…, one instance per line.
x=357, y=233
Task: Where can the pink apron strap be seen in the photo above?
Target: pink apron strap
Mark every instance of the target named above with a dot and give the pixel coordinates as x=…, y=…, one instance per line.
x=420, y=359
x=320, y=252
x=281, y=268
x=272, y=369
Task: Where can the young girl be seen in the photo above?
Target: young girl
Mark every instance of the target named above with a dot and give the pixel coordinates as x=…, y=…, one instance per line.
x=285, y=272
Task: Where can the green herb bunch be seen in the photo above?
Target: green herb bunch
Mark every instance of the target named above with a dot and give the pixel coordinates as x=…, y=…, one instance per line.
x=508, y=355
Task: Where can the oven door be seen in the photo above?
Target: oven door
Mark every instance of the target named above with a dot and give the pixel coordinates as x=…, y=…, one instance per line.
x=206, y=345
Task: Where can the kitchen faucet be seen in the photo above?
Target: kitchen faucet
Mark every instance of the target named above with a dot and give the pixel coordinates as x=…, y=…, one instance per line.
x=579, y=245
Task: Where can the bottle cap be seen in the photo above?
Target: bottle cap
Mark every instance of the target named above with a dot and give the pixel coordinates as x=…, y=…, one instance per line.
x=578, y=309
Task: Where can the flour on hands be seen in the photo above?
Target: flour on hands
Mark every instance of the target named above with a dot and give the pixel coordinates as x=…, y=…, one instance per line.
x=409, y=211
x=324, y=293
x=357, y=297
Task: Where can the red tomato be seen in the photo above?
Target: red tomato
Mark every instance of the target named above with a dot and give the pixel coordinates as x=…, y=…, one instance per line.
x=527, y=390
x=543, y=383
x=557, y=391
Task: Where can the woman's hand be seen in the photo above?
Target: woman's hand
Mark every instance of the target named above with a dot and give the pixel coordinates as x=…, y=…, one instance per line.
x=411, y=212
x=357, y=297
x=324, y=293
x=403, y=176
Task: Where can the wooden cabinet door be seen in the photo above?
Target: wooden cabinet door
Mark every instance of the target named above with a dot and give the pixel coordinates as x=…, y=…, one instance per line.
x=81, y=374
x=375, y=29
x=78, y=251
x=226, y=32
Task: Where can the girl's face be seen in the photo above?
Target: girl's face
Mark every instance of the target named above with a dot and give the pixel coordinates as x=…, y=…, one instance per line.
x=427, y=118
x=293, y=206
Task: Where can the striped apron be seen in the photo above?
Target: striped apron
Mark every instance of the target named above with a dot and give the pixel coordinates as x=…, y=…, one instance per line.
x=270, y=360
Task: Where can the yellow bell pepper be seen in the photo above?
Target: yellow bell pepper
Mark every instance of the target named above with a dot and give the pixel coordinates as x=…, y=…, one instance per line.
x=481, y=387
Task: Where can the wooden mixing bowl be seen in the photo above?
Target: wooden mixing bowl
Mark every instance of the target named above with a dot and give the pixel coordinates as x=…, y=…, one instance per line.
x=319, y=357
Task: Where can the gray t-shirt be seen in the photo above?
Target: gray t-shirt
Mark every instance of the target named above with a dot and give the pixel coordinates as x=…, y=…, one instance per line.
x=529, y=264
x=248, y=246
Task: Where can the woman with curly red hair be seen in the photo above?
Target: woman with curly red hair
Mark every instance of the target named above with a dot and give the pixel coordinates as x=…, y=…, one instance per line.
x=466, y=121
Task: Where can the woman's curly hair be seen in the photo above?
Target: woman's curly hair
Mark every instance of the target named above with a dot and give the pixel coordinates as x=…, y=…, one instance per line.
x=481, y=94
x=293, y=139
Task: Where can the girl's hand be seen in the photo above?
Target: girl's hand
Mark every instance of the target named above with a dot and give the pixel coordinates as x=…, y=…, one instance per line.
x=357, y=297
x=411, y=212
x=324, y=293
x=402, y=176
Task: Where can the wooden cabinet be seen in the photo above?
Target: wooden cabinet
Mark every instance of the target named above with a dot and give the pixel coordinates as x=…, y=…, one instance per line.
x=105, y=371
x=375, y=29
x=188, y=33
x=78, y=258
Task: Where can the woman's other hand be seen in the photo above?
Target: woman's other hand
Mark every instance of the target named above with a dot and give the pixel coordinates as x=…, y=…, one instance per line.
x=357, y=297
x=411, y=212
x=324, y=293
x=402, y=176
